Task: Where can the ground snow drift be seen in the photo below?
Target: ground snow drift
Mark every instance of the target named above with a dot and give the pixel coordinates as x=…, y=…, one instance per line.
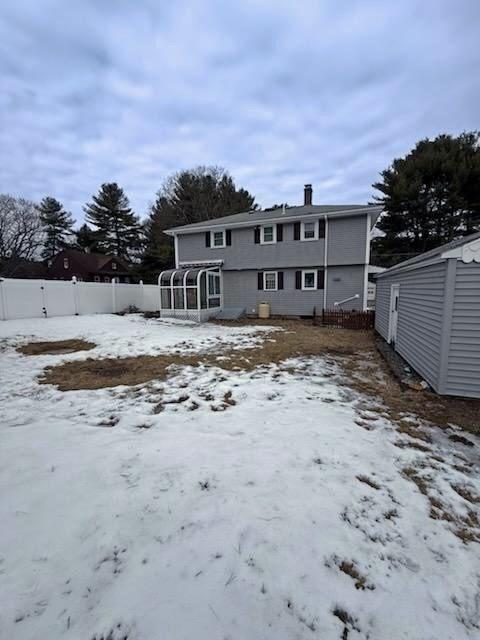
x=217, y=504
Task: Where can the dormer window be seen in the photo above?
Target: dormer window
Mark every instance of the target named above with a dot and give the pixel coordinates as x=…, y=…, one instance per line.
x=114, y=266
x=268, y=234
x=65, y=263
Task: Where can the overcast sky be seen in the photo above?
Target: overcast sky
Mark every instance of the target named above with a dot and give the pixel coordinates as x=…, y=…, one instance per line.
x=279, y=93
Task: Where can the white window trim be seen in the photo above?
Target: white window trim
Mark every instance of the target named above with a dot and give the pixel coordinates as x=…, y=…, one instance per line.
x=212, y=239
x=275, y=273
x=315, y=279
x=274, y=235
x=302, y=234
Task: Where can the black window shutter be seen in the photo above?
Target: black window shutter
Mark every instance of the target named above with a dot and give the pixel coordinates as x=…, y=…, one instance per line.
x=298, y=279
x=279, y=232
x=321, y=228
x=256, y=232
x=321, y=279
x=207, y=238
x=260, y=280
x=228, y=237
x=280, y=280
x=296, y=231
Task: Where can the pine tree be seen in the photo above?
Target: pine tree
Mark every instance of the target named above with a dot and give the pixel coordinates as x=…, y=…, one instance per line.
x=116, y=226
x=189, y=196
x=430, y=197
x=57, y=225
x=86, y=239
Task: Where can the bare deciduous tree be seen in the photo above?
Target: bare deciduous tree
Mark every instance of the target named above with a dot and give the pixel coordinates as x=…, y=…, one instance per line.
x=20, y=228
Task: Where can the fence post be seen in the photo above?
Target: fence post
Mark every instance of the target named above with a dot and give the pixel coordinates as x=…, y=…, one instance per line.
x=3, y=300
x=142, y=294
x=75, y=295
x=114, y=302
x=44, y=304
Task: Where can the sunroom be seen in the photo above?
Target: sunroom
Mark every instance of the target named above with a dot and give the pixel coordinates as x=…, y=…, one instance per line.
x=191, y=292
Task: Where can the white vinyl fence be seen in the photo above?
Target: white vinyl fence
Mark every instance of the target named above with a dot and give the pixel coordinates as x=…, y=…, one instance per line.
x=47, y=298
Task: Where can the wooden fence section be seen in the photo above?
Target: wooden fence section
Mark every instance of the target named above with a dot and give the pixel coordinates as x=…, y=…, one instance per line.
x=360, y=320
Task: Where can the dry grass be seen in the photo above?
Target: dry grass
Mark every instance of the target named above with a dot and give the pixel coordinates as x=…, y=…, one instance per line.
x=55, y=348
x=365, y=371
x=299, y=339
x=350, y=569
x=369, y=481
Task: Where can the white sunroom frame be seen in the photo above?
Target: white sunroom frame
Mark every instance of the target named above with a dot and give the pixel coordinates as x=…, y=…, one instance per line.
x=199, y=314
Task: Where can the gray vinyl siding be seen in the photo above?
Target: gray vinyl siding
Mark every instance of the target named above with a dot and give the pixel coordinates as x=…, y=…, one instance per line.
x=420, y=317
x=463, y=370
x=347, y=240
x=382, y=306
x=241, y=291
x=344, y=282
x=245, y=254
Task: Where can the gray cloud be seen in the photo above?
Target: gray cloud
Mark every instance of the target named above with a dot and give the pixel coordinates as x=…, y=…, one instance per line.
x=280, y=93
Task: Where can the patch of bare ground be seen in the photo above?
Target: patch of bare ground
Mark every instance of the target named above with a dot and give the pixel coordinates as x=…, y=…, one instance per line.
x=364, y=370
x=369, y=374
x=350, y=568
x=369, y=481
x=297, y=339
x=465, y=526
x=55, y=347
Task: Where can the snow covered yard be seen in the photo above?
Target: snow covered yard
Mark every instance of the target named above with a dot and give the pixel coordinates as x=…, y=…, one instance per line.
x=268, y=504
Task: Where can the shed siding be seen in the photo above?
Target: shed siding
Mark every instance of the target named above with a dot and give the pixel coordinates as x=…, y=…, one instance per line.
x=420, y=317
x=463, y=371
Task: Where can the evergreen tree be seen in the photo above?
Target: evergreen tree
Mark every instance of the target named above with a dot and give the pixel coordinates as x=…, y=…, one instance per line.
x=57, y=226
x=431, y=196
x=203, y=193
x=86, y=239
x=117, y=228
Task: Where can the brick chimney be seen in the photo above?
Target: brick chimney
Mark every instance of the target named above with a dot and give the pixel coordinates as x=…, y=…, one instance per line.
x=307, y=200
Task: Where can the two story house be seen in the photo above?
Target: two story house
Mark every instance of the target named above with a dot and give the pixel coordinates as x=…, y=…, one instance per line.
x=295, y=258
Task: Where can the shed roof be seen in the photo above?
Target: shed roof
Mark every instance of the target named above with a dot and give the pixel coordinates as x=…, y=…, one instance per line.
x=432, y=254
x=278, y=214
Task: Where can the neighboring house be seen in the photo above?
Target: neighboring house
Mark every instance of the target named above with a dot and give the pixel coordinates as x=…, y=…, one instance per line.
x=428, y=309
x=297, y=259
x=21, y=268
x=90, y=267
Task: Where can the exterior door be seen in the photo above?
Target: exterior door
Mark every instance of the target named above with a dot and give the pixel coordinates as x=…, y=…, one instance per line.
x=393, y=320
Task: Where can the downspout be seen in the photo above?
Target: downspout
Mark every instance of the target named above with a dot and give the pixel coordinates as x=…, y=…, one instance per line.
x=325, y=264
x=367, y=262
